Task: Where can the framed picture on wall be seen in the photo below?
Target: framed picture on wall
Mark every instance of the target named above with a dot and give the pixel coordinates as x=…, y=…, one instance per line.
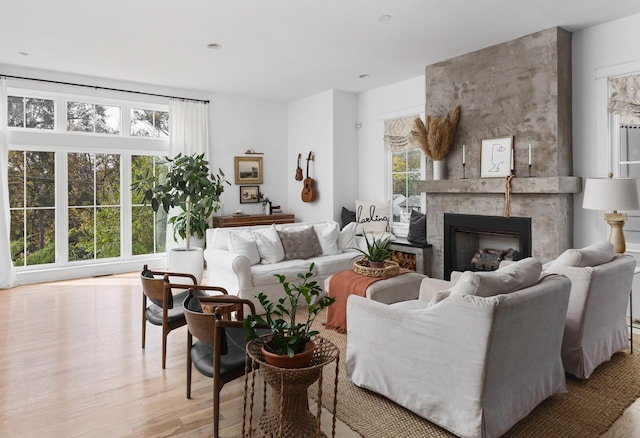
x=248, y=170
x=496, y=157
x=249, y=194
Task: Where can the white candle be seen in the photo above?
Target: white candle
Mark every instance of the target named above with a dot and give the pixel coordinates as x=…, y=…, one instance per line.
x=529, y=154
x=512, y=159
x=464, y=153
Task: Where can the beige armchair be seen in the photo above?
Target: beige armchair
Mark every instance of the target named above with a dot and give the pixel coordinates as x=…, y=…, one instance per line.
x=471, y=363
x=596, y=325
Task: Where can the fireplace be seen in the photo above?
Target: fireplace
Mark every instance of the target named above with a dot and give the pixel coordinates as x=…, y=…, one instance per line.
x=495, y=237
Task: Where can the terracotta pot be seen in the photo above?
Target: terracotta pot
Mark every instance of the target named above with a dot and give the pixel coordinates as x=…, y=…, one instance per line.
x=299, y=360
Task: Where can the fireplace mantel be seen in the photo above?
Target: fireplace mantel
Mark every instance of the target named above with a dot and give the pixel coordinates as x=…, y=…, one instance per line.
x=550, y=185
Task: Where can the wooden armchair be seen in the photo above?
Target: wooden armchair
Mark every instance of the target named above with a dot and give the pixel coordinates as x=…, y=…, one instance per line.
x=165, y=308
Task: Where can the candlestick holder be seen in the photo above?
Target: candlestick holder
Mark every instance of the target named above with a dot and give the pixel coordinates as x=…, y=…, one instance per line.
x=529, y=170
x=464, y=175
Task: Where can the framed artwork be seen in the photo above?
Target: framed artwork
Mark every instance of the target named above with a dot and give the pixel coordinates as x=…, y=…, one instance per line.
x=248, y=170
x=496, y=157
x=249, y=194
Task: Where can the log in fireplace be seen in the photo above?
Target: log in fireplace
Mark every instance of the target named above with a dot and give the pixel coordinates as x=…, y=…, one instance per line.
x=466, y=235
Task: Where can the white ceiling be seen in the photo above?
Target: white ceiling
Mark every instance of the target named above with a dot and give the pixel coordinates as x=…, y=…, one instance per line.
x=280, y=50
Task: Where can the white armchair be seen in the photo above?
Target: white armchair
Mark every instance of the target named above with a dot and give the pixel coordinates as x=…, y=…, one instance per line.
x=596, y=325
x=474, y=365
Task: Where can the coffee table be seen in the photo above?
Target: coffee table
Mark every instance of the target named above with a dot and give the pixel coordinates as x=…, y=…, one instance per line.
x=390, y=290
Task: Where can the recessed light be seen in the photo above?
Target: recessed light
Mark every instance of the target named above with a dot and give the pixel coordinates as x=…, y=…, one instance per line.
x=214, y=46
x=364, y=76
x=384, y=17
x=23, y=53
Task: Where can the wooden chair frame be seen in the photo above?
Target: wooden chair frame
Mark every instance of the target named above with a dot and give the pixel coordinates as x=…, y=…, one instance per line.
x=159, y=289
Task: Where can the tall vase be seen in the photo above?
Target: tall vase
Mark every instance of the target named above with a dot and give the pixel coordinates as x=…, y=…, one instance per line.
x=439, y=169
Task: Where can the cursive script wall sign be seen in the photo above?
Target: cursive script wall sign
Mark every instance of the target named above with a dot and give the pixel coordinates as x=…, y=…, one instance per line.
x=372, y=217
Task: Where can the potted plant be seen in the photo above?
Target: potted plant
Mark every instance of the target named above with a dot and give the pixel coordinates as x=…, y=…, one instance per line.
x=190, y=186
x=290, y=337
x=378, y=250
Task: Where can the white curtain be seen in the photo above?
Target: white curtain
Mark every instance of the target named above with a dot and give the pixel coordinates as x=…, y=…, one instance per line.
x=188, y=127
x=8, y=277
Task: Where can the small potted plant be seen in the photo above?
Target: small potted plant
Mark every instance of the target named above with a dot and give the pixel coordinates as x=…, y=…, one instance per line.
x=378, y=251
x=290, y=339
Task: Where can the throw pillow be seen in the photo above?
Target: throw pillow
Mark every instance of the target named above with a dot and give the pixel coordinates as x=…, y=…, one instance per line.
x=592, y=255
x=372, y=217
x=519, y=275
x=328, y=237
x=417, y=228
x=300, y=244
x=346, y=238
x=244, y=243
x=269, y=245
x=347, y=217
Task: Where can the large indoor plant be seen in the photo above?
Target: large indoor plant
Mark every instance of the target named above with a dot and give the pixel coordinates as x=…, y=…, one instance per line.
x=190, y=186
x=289, y=336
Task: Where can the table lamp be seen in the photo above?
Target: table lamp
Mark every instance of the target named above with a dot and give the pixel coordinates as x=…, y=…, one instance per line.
x=612, y=194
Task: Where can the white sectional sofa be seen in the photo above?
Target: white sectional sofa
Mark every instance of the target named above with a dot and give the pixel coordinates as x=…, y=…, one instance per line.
x=244, y=260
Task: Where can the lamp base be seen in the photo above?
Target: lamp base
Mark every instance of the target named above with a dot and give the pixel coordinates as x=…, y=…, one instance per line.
x=616, y=237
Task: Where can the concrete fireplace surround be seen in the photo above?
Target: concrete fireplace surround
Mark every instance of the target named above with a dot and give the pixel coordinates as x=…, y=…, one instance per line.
x=520, y=88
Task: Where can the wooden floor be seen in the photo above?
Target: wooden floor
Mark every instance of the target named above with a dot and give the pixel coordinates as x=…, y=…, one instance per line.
x=72, y=365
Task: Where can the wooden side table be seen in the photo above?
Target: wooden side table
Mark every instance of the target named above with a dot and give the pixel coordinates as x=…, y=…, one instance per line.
x=289, y=415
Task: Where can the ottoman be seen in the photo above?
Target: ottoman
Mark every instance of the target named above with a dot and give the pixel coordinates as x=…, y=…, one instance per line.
x=393, y=289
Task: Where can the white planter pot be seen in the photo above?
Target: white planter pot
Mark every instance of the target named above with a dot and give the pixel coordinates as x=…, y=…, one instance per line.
x=188, y=262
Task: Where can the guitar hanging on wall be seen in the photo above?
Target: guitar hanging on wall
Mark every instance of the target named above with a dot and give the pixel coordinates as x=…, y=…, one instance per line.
x=309, y=191
x=299, y=169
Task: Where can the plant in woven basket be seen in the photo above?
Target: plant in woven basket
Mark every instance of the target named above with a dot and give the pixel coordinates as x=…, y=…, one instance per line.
x=289, y=336
x=435, y=136
x=378, y=250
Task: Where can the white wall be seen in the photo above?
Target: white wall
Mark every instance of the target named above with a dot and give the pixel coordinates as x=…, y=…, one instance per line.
x=607, y=46
x=374, y=107
x=237, y=124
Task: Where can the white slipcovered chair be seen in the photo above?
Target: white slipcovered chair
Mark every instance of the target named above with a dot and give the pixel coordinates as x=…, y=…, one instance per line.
x=474, y=360
x=596, y=325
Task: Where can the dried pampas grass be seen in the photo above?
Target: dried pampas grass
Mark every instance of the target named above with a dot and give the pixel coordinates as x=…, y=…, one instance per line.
x=436, y=137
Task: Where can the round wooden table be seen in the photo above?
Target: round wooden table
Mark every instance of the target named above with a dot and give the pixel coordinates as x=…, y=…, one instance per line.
x=289, y=415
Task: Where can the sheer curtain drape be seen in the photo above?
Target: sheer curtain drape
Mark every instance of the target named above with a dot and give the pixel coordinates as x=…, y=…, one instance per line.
x=188, y=127
x=8, y=277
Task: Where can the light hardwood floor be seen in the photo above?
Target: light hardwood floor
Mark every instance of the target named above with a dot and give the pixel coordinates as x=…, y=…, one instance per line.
x=72, y=365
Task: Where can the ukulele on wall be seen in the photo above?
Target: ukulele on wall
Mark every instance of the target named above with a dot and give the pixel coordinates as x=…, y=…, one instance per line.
x=308, y=192
x=299, y=169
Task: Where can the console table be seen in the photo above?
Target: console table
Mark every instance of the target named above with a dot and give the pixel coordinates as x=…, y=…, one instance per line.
x=252, y=219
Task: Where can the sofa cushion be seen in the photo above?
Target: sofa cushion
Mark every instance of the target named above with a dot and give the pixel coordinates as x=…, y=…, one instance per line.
x=516, y=276
x=346, y=238
x=347, y=216
x=417, y=228
x=300, y=244
x=263, y=275
x=372, y=217
x=269, y=245
x=592, y=255
x=329, y=265
x=243, y=242
x=328, y=237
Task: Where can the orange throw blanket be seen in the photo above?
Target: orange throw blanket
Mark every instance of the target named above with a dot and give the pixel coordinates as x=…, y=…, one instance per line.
x=341, y=285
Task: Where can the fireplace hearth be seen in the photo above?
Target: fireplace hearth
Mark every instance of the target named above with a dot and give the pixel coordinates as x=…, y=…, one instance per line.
x=477, y=242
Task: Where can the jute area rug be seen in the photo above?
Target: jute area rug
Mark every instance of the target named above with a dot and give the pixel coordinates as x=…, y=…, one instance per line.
x=588, y=409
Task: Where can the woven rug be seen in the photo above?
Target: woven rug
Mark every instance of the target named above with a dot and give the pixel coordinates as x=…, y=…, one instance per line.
x=588, y=409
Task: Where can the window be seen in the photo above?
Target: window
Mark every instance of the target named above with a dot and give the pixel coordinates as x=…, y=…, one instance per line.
x=30, y=112
x=94, y=206
x=32, y=205
x=406, y=166
x=89, y=117
x=143, y=218
x=71, y=206
x=149, y=123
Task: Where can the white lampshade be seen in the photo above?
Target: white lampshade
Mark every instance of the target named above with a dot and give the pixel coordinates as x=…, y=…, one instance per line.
x=611, y=194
